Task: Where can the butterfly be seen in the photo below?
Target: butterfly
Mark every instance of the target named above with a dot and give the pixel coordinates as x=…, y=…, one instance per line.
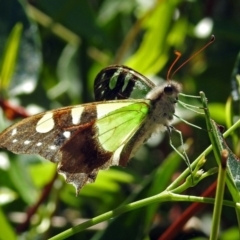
x=86, y=138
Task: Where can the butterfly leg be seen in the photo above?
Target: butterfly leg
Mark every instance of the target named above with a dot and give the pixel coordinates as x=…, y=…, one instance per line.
x=183, y=155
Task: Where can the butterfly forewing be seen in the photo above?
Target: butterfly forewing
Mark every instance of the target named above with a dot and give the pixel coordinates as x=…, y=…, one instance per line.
x=28, y=136
x=82, y=139
x=121, y=82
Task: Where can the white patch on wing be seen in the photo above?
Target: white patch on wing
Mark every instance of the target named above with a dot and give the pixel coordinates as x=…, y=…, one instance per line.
x=39, y=144
x=46, y=123
x=14, y=131
x=116, y=155
x=53, y=147
x=76, y=113
x=27, y=142
x=104, y=109
x=14, y=140
x=67, y=134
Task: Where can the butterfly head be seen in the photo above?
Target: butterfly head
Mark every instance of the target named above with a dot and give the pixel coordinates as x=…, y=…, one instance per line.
x=171, y=91
x=168, y=93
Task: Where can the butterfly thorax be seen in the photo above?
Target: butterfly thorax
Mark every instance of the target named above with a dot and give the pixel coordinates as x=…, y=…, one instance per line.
x=163, y=100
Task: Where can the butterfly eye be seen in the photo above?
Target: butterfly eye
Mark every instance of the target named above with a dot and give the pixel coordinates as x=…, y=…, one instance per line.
x=168, y=90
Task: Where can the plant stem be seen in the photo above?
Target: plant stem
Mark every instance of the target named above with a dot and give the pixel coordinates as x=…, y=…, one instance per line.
x=219, y=196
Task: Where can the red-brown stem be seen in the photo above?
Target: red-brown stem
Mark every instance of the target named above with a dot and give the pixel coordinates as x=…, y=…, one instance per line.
x=177, y=226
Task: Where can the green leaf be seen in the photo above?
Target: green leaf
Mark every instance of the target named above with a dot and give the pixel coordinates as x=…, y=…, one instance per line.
x=66, y=13
x=217, y=112
x=38, y=170
x=231, y=233
x=21, y=179
x=10, y=55
x=233, y=161
x=152, y=53
x=218, y=145
x=7, y=233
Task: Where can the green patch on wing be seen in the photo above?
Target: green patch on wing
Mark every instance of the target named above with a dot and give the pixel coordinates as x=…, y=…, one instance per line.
x=117, y=127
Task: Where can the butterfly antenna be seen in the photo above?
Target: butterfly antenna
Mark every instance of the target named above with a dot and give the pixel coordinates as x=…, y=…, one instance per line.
x=171, y=67
x=212, y=39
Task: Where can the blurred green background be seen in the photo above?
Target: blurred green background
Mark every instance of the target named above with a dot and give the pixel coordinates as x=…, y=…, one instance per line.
x=50, y=52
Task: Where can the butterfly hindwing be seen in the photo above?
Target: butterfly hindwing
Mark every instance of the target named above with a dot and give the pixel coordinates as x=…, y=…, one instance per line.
x=81, y=139
x=121, y=82
x=121, y=123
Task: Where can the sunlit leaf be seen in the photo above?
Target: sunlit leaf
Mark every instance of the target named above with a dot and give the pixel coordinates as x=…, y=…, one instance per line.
x=7, y=231
x=10, y=55
x=152, y=53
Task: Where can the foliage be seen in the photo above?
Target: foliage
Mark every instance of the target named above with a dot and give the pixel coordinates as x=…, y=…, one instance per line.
x=61, y=46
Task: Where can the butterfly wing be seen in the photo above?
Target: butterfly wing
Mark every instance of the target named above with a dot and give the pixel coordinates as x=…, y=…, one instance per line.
x=121, y=82
x=81, y=139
